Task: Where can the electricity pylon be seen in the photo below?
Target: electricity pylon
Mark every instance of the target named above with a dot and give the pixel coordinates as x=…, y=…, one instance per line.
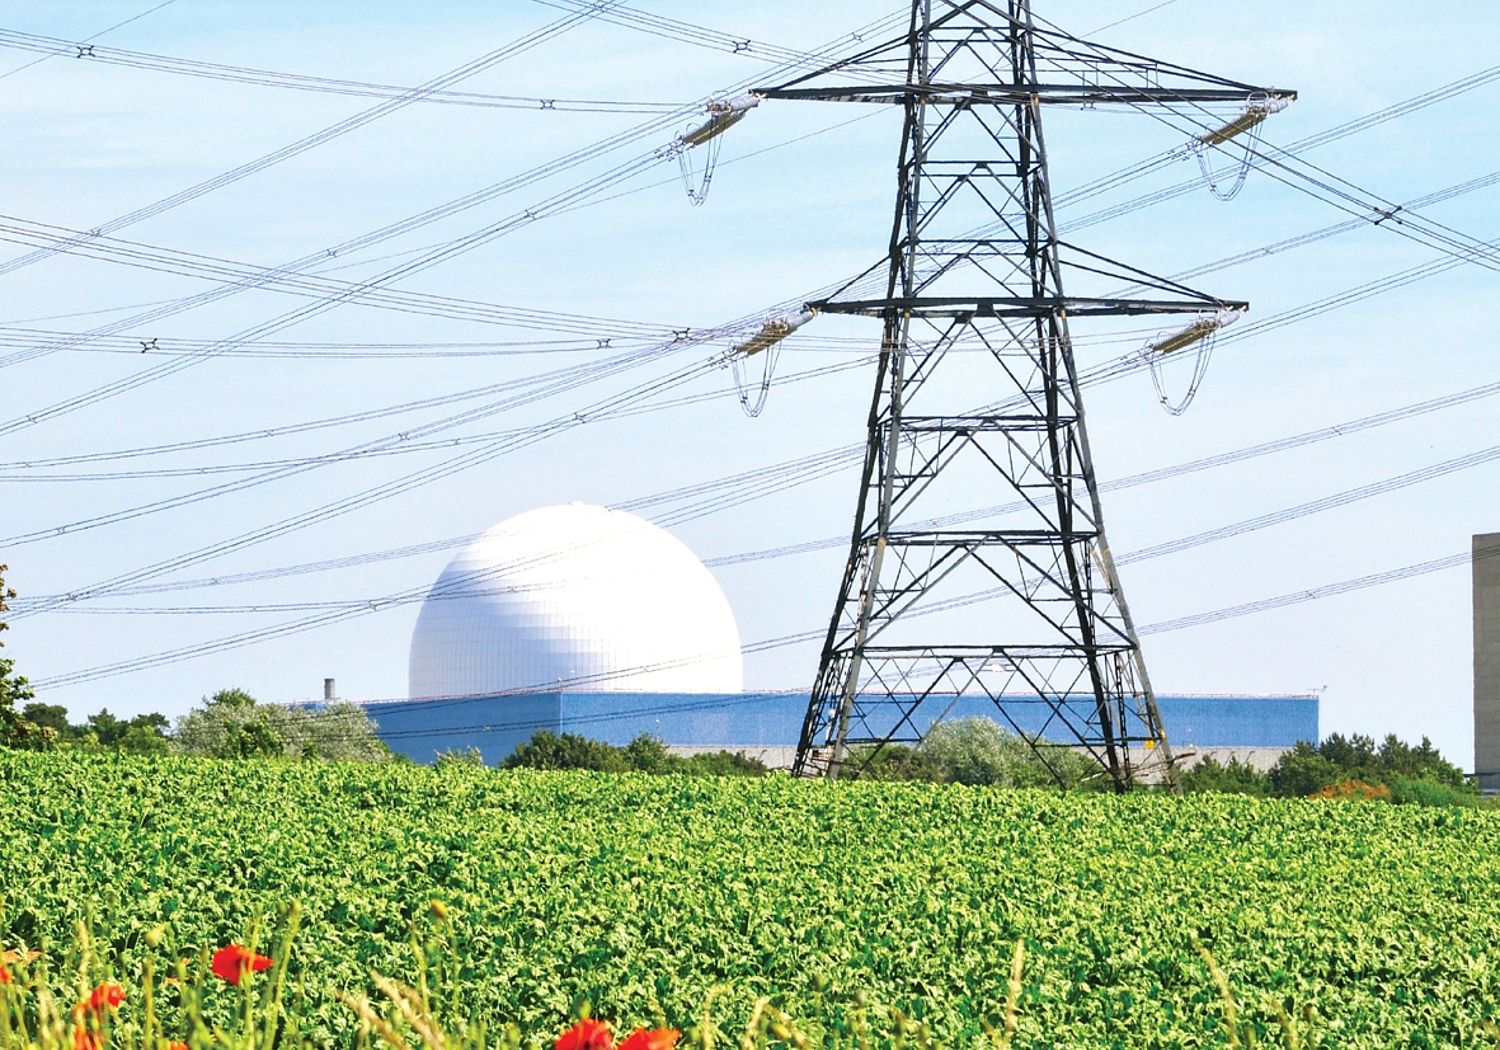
x=977, y=400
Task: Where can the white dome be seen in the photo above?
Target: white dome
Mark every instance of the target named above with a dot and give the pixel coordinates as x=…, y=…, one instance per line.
x=578, y=599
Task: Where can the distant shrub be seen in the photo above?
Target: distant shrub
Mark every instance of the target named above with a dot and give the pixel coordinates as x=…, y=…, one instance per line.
x=892, y=762
x=1302, y=771
x=1417, y=775
x=230, y=724
x=721, y=764
x=1234, y=777
x=648, y=755
x=1354, y=790
x=548, y=750
x=1416, y=791
x=644, y=754
x=978, y=751
x=459, y=756
x=253, y=738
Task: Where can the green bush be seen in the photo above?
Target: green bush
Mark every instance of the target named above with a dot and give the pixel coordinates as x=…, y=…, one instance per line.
x=1234, y=777
x=1419, y=791
x=978, y=751
x=1416, y=775
x=1303, y=770
x=548, y=750
x=459, y=756
x=892, y=762
x=721, y=764
x=230, y=724
x=644, y=754
x=647, y=754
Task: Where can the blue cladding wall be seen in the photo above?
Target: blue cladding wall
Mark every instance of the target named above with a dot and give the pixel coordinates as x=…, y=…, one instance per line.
x=421, y=729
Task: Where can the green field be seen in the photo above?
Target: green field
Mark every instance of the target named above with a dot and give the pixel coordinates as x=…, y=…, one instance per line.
x=642, y=893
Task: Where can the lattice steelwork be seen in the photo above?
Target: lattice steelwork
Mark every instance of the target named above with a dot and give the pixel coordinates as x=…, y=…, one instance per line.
x=977, y=403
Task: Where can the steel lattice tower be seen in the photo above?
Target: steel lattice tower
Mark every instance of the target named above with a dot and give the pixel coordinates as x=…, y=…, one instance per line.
x=977, y=401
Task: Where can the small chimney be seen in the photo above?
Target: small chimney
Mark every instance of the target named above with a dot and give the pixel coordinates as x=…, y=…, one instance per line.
x=328, y=690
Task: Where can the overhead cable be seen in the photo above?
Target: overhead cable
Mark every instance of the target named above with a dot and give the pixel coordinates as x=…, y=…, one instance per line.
x=95, y=36
x=55, y=47
x=519, y=46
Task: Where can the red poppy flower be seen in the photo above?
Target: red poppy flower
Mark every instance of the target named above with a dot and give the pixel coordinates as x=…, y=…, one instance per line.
x=651, y=1039
x=587, y=1034
x=4, y=975
x=107, y=994
x=233, y=961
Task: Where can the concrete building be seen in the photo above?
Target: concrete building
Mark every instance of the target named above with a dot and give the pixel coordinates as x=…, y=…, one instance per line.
x=1486, y=569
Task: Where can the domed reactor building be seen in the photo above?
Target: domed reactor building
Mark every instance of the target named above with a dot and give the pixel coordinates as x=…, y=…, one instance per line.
x=585, y=620
x=575, y=598
x=574, y=619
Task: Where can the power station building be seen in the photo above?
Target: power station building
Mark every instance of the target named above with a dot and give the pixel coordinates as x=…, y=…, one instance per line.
x=766, y=725
x=581, y=619
x=1486, y=570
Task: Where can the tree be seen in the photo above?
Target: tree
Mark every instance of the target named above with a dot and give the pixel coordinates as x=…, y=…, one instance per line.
x=548, y=750
x=152, y=720
x=231, y=724
x=644, y=754
x=53, y=716
x=1412, y=774
x=16, y=730
x=1234, y=777
x=143, y=740
x=229, y=698
x=253, y=738
x=1304, y=770
x=142, y=735
x=455, y=757
x=1354, y=754
x=649, y=755
x=1422, y=762
x=337, y=732
x=978, y=751
x=107, y=729
x=722, y=764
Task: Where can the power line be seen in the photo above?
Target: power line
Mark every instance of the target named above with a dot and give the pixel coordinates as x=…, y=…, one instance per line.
x=334, y=612
x=430, y=258
x=313, y=285
x=51, y=47
x=1288, y=168
x=401, y=444
x=96, y=36
x=1308, y=594
x=1132, y=18
x=333, y=131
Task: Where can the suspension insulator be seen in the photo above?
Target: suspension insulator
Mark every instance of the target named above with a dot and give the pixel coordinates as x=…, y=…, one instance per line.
x=1255, y=112
x=772, y=331
x=1198, y=330
x=723, y=115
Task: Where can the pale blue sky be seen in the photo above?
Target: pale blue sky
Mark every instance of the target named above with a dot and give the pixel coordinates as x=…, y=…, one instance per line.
x=87, y=141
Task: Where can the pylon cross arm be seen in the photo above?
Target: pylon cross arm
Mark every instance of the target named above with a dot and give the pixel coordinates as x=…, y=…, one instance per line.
x=1020, y=306
x=938, y=94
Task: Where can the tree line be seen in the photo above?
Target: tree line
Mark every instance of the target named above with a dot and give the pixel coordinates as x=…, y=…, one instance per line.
x=977, y=751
